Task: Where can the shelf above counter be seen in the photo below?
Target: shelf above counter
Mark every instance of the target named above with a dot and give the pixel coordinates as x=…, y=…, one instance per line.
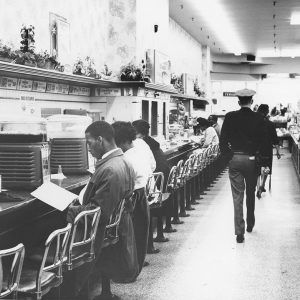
x=190, y=97
x=34, y=73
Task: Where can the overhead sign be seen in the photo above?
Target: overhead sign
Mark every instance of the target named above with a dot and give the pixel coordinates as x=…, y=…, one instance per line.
x=229, y=94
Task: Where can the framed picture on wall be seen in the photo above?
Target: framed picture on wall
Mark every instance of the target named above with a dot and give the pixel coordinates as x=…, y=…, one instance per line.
x=158, y=67
x=60, y=42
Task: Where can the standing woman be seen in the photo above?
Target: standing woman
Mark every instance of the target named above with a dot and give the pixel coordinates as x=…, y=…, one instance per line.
x=272, y=139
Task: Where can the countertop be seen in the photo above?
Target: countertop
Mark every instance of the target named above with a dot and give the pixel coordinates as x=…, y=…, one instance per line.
x=16, y=199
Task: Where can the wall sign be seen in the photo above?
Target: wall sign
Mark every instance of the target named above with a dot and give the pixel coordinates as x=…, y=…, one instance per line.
x=110, y=92
x=39, y=86
x=229, y=94
x=8, y=83
x=78, y=90
x=25, y=85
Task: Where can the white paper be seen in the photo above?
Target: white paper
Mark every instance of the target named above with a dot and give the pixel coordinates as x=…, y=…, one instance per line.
x=58, y=176
x=54, y=195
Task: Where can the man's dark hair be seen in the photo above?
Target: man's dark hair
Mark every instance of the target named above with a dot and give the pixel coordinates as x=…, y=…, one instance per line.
x=101, y=128
x=203, y=122
x=124, y=132
x=245, y=100
x=263, y=109
x=213, y=118
x=141, y=126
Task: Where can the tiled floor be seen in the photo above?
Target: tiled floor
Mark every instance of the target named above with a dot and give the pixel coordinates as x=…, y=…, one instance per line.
x=203, y=261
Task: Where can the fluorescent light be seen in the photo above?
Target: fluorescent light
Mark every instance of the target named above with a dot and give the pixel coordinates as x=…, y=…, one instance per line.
x=284, y=52
x=295, y=18
x=216, y=15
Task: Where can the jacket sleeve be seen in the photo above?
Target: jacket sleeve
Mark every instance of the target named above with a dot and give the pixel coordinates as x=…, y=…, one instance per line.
x=224, y=141
x=106, y=195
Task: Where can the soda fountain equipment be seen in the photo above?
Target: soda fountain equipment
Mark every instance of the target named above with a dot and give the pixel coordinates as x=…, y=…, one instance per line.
x=24, y=151
x=68, y=145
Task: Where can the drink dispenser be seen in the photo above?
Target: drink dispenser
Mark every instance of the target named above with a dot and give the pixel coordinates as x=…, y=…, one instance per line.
x=68, y=145
x=24, y=152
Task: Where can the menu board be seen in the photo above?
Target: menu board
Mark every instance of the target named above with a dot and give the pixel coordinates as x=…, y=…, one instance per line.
x=110, y=92
x=8, y=83
x=61, y=88
x=50, y=87
x=39, y=86
x=79, y=90
x=25, y=85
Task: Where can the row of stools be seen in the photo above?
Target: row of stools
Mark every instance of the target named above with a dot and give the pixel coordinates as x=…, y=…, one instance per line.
x=64, y=250
x=44, y=268
x=187, y=181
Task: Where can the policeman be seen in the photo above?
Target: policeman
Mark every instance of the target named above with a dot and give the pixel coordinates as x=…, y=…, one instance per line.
x=242, y=136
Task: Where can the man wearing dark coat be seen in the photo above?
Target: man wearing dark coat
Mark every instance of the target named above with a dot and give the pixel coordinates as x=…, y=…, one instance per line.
x=112, y=182
x=243, y=135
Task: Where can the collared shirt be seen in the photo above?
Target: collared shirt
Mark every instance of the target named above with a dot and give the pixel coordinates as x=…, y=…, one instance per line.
x=141, y=166
x=210, y=137
x=109, y=152
x=148, y=155
x=217, y=128
x=243, y=130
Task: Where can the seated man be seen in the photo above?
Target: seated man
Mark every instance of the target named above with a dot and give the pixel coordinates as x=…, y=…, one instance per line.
x=213, y=119
x=142, y=132
x=125, y=136
x=112, y=181
x=210, y=135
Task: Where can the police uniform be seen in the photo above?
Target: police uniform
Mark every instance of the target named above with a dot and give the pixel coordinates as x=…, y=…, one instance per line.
x=242, y=135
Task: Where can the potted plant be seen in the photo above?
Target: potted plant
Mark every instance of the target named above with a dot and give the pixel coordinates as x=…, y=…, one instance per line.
x=78, y=68
x=197, y=89
x=106, y=73
x=131, y=72
x=27, y=58
x=5, y=52
x=89, y=67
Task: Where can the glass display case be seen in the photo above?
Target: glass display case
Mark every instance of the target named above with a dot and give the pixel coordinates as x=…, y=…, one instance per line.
x=67, y=126
x=22, y=129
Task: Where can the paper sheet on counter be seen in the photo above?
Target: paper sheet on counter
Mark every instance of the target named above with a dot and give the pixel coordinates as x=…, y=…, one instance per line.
x=54, y=195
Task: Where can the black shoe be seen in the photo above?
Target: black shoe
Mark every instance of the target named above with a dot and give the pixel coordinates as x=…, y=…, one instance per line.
x=249, y=228
x=258, y=194
x=239, y=238
x=263, y=189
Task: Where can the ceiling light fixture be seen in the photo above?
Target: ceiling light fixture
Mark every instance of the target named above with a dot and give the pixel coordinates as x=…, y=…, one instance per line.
x=224, y=29
x=295, y=18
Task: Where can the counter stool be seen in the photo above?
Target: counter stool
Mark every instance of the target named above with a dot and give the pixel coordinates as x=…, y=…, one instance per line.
x=183, y=175
x=156, y=197
x=82, y=240
x=111, y=237
x=11, y=272
x=171, y=188
x=38, y=282
x=176, y=219
x=199, y=167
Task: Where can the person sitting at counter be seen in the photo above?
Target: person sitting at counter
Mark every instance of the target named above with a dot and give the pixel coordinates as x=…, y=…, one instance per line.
x=213, y=119
x=142, y=132
x=112, y=181
x=210, y=135
x=125, y=136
